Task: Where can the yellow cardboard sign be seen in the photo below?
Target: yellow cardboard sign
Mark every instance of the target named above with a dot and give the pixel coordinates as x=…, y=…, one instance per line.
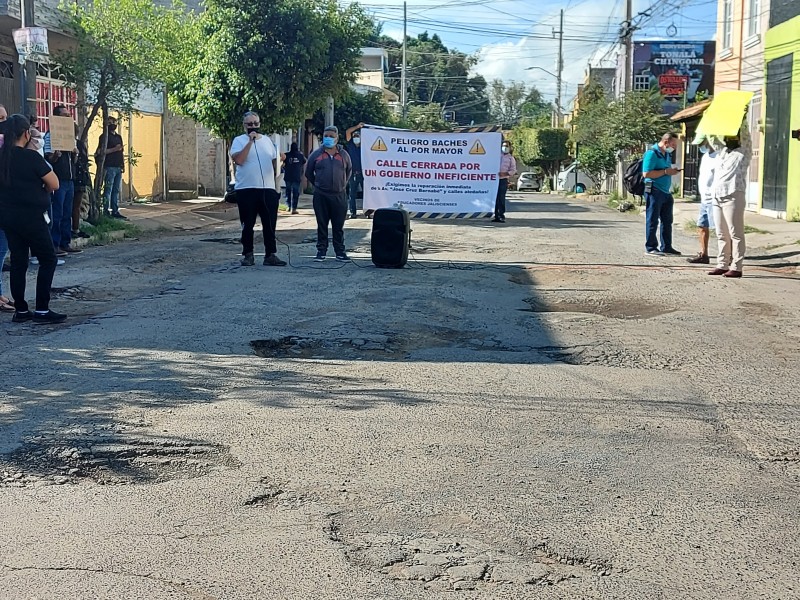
x=724, y=116
x=379, y=145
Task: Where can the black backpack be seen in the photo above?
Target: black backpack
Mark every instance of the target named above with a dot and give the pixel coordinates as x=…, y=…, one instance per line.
x=633, y=180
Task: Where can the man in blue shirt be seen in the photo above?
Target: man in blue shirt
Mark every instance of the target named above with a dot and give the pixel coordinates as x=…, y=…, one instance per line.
x=658, y=171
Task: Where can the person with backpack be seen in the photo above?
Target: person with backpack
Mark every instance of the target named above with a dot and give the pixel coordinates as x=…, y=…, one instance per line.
x=657, y=170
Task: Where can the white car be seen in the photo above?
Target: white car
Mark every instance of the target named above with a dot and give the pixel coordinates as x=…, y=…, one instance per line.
x=567, y=183
x=529, y=181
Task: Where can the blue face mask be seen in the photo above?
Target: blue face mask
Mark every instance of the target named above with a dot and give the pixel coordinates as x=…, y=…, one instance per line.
x=704, y=149
x=328, y=142
x=670, y=149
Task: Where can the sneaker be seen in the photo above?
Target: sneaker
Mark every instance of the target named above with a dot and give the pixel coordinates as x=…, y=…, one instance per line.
x=34, y=260
x=496, y=220
x=248, y=260
x=671, y=252
x=700, y=259
x=49, y=317
x=61, y=252
x=343, y=257
x=80, y=234
x=60, y=262
x=70, y=250
x=653, y=253
x=735, y=274
x=273, y=261
x=353, y=215
x=22, y=317
x=320, y=257
x=117, y=215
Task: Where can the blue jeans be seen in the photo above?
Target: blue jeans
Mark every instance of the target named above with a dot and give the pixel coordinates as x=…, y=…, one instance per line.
x=659, y=208
x=356, y=179
x=111, y=185
x=292, y=194
x=3, y=252
x=61, y=209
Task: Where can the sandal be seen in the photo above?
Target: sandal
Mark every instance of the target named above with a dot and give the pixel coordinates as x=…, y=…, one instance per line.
x=6, y=307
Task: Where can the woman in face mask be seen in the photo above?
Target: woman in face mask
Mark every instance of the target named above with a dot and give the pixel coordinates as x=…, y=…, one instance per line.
x=508, y=168
x=357, y=178
x=26, y=181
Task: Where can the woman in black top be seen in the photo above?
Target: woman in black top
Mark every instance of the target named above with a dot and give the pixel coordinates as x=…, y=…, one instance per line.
x=26, y=181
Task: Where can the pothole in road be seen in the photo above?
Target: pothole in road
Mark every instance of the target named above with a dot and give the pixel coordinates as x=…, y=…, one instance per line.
x=274, y=495
x=81, y=293
x=615, y=309
x=111, y=460
x=449, y=563
x=608, y=355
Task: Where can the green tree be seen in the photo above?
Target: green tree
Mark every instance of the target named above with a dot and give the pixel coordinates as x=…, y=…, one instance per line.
x=544, y=148
x=425, y=117
x=437, y=74
x=515, y=103
x=282, y=58
x=603, y=129
x=121, y=48
x=355, y=108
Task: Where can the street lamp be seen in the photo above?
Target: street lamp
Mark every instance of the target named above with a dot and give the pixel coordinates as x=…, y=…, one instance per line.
x=558, y=96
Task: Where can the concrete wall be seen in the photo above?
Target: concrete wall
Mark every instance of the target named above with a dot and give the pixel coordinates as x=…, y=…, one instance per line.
x=181, y=149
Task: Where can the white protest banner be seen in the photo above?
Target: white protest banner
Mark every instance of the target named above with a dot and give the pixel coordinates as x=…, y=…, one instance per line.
x=31, y=43
x=431, y=174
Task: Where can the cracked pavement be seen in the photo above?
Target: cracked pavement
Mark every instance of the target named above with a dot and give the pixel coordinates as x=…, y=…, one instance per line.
x=529, y=410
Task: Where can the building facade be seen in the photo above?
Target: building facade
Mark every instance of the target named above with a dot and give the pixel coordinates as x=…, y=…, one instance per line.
x=780, y=186
x=741, y=29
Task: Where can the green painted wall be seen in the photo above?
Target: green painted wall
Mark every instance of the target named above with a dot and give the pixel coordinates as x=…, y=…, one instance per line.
x=781, y=40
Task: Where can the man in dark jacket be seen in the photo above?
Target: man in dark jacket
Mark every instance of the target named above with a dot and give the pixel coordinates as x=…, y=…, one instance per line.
x=64, y=166
x=328, y=170
x=357, y=178
x=293, y=174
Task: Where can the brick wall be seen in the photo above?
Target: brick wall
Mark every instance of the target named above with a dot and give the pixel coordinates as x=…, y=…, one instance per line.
x=211, y=157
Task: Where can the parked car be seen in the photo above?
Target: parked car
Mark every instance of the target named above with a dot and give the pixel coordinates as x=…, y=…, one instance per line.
x=566, y=180
x=529, y=181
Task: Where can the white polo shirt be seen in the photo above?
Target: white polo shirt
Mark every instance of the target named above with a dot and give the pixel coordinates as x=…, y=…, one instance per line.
x=256, y=171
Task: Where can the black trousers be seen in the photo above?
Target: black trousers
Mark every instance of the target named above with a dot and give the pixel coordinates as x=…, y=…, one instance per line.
x=500, y=202
x=28, y=233
x=262, y=203
x=330, y=209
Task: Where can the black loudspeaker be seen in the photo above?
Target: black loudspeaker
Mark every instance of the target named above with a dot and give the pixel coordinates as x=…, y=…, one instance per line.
x=391, y=238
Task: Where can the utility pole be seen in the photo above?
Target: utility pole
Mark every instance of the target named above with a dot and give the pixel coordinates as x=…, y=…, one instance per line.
x=27, y=69
x=403, y=93
x=560, y=66
x=626, y=39
x=329, y=111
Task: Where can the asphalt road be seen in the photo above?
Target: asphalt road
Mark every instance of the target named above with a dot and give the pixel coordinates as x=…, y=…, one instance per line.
x=532, y=409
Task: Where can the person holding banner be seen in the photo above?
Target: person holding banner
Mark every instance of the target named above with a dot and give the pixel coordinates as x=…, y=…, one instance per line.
x=328, y=170
x=508, y=168
x=63, y=163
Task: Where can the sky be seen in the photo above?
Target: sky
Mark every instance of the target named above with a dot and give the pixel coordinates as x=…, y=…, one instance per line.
x=510, y=35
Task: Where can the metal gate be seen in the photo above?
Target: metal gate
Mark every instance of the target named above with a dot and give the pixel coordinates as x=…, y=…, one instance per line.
x=776, y=133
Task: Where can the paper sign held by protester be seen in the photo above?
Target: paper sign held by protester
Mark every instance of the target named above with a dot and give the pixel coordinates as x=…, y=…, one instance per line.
x=725, y=114
x=62, y=134
x=450, y=173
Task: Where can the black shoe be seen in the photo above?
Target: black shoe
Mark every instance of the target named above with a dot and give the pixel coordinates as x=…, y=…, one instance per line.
x=49, y=317
x=502, y=219
x=353, y=215
x=320, y=257
x=80, y=234
x=700, y=259
x=343, y=257
x=653, y=253
x=671, y=252
x=117, y=215
x=248, y=260
x=22, y=317
x=497, y=220
x=273, y=261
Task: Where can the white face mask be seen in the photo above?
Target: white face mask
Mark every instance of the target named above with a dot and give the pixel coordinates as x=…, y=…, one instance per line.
x=670, y=149
x=357, y=141
x=505, y=149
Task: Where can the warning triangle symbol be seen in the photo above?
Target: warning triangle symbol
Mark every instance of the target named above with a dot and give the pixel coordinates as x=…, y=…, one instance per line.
x=379, y=145
x=477, y=148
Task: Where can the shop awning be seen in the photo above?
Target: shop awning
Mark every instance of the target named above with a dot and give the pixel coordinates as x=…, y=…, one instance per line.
x=724, y=116
x=693, y=112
